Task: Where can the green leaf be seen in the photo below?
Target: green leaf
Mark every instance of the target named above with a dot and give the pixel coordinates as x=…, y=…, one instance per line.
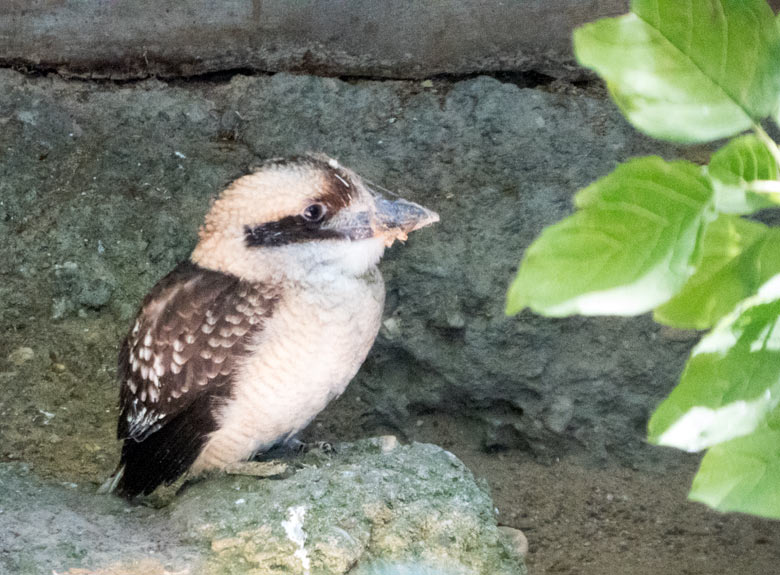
x=741, y=475
x=731, y=382
x=687, y=70
x=631, y=247
x=738, y=168
x=737, y=257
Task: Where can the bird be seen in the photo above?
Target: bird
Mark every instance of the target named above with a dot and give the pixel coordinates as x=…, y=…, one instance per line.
x=240, y=346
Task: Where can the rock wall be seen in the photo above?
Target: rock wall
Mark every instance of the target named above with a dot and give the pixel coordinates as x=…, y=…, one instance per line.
x=102, y=188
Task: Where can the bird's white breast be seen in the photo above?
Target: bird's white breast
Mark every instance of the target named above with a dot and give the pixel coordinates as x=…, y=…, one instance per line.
x=307, y=353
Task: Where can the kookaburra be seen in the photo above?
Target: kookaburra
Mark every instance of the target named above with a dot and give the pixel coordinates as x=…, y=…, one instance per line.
x=240, y=347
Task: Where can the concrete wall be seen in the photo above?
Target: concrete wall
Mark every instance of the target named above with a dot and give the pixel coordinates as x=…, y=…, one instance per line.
x=382, y=38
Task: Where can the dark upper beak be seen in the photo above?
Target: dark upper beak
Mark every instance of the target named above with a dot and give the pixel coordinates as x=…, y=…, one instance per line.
x=376, y=217
x=401, y=217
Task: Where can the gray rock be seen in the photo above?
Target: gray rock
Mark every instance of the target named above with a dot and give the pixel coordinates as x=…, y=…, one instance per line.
x=411, y=503
x=370, y=502
x=46, y=527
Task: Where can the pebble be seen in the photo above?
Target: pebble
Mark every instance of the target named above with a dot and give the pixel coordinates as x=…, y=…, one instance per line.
x=517, y=538
x=388, y=443
x=456, y=320
x=560, y=414
x=21, y=355
x=392, y=328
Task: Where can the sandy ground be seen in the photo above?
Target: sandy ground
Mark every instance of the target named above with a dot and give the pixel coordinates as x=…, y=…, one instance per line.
x=583, y=521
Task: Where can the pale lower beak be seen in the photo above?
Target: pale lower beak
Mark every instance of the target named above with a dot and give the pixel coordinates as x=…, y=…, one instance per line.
x=395, y=220
x=384, y=219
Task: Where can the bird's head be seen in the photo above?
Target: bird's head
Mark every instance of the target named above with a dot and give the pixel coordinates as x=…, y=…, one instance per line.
x=298, y=217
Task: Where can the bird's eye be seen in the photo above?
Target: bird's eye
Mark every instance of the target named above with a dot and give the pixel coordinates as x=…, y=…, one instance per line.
x=314, y=213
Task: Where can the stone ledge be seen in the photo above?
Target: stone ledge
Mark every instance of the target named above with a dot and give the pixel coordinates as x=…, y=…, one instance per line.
x=389, y=39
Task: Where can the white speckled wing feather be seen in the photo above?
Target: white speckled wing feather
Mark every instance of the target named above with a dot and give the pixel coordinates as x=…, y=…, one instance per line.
x=191, y=330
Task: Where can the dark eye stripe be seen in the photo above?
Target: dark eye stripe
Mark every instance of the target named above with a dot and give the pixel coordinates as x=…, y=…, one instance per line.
x=289, y=230
x=335, y=195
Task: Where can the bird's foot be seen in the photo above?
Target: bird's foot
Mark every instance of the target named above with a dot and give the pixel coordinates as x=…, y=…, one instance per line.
x=300, y=448
x=325, y=446
x=257, y=468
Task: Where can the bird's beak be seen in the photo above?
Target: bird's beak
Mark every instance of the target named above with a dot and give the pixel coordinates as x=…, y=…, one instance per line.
x=373, y=216
x=395, y=220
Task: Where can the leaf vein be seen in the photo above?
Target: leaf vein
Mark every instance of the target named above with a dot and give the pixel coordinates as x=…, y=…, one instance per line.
x=692, y=62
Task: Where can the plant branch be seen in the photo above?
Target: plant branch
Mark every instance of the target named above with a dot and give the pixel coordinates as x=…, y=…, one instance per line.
x=768, y=142
x=764, y=187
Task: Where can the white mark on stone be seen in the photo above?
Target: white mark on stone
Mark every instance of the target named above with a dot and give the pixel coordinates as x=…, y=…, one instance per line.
x=293, y=527
x=47, y=415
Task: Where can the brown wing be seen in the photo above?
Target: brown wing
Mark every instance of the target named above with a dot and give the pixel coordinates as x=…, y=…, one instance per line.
x=176, y=365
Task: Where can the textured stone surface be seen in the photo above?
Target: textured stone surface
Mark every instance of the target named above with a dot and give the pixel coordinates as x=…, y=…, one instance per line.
x=102, y=188
x=364, y=504
x=50, y=528
x=391, y=38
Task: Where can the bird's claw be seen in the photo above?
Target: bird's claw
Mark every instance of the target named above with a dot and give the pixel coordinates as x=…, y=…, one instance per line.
x=301, y=448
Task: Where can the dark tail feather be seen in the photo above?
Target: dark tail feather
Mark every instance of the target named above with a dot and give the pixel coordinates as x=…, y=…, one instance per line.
x=165, y=455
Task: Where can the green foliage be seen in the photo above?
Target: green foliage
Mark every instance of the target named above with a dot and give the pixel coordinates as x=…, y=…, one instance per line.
x=741, y=475
x=731, y=382
x=626, y=250
x=668, y=237
x=735, y=169
x=737, y=257
x=687, y=70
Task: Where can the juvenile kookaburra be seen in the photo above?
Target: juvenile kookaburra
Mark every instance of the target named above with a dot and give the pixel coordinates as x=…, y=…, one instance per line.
x=237, y=349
